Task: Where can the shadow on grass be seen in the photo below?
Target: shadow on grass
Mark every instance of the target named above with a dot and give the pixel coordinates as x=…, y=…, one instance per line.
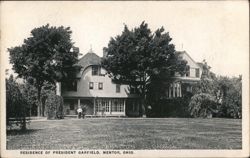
x=21, y=132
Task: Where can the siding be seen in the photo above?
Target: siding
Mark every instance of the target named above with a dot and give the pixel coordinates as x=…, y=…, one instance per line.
x=193, y=65
x=108, y=91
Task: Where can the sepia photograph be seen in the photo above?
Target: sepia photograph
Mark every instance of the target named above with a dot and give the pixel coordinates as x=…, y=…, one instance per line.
x=124, y=78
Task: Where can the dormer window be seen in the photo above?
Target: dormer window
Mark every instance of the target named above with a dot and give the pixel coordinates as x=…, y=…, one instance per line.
x=118, y=88
x=100, y=86
x=69, y=85
x=95, y=70
x=91, y=85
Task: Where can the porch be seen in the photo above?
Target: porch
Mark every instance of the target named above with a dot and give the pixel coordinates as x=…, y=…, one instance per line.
x=100, y=107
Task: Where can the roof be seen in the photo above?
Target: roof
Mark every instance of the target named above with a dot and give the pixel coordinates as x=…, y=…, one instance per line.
x=184, y=52
x=89, y=59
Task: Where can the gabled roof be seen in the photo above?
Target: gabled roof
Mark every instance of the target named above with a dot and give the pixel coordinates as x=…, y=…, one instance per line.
x=89, y=59
x=184, y=52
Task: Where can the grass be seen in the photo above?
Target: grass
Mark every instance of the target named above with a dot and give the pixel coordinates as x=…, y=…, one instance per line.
x=132, y=133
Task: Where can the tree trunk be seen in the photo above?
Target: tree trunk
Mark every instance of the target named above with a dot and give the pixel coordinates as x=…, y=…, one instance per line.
x=143, y=107
x=43, y=107
x=23, y=123
x=39, y=88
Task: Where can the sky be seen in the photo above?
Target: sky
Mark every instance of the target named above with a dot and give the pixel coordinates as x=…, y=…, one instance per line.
x=216, y=31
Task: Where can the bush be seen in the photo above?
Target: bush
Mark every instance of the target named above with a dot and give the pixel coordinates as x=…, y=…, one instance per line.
x=231, y=94
x=15, y=104
x=202, y=105
x=54, y=105
x=175, y=107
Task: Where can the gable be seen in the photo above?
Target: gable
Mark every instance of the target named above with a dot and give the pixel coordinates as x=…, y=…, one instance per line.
x=184, y=55
x=89, y=59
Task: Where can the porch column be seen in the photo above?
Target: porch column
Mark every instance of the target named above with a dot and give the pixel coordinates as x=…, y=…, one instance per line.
x=58, y=88
x=180, y=91
x=94, y=105
x=109, y=102
x=169, y=93
x=79, y=103
x=174, y=90
x=124, y=106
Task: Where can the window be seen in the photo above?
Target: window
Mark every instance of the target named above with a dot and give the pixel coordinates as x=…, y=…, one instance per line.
x=117, y=105
x=188, y=71
x=114, y=105
x=91, y=85
x=70, y=85
x=100, y=86
x=118, y=88
x=102, y=105
x=98, y=106
x=197, y=72
x=95, y=70
x=105, y=104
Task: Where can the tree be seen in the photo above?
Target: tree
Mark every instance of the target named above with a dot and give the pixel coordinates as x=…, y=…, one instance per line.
x=202, y=105
x=227, y=93
x=47, y=56
x=54, y=106
x=30, y=94
x=15, y=104
x=139, y=58
x=230, y=90
x=207, y=82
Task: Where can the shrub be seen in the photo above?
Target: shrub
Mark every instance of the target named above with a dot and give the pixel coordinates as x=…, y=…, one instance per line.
x=16, y=104
x=54, y=105
x=202, y=105
x=231, y=94
x=175, y=107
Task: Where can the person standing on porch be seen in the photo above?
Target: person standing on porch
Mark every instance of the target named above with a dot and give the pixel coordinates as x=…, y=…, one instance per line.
x=79, y=111
x=84, y=110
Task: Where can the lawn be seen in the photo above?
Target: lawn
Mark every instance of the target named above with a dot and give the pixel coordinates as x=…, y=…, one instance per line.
x=132, y=133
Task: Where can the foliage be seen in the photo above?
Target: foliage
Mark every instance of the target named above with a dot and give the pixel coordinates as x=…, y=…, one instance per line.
x=226, y=92
x=139, y=58
x=46, y=56
x=202, y=105
x=15, y=104
x=207, y=83
x=230, y=92
x=54, y=105
x=175, y=107
x=29, y=93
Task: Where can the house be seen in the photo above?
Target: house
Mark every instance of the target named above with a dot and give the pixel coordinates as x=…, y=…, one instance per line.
x=185, y=82
x=93, y=87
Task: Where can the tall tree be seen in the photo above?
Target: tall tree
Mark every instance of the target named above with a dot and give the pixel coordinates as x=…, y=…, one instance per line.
x=137, y=57
x=48, y=55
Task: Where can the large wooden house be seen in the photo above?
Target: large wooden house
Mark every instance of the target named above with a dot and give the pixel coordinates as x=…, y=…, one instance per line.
x=93, y=88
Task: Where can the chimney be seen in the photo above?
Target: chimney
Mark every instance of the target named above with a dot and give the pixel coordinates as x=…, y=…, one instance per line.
x=105, y=53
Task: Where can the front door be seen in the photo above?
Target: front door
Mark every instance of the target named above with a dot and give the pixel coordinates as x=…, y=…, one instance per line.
x=72, y=109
